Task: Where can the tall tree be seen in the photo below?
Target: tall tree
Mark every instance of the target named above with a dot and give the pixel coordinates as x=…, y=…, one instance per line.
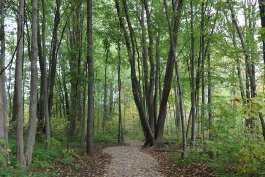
x=131, y=50
x=192, y=68
x=53, y=56
x=33, y=85
x=44, y=108
x=120, y=132
x=18, y=95
x=3, y=101
x=90, y=67
x=173, y=33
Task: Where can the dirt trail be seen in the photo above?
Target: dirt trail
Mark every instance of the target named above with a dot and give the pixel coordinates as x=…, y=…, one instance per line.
x=129, y=161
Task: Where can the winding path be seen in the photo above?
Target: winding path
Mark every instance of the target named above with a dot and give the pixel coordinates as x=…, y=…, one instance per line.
x=129, y=161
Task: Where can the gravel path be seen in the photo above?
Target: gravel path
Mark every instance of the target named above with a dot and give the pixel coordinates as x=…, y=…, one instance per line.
x=129, y=161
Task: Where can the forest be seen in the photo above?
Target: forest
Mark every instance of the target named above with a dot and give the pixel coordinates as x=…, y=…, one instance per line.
x=132, y=88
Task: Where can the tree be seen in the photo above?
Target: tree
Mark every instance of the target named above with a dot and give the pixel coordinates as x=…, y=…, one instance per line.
x=90, y=67
x=120, y=132
x=44, y=107
x=18, y=95
x=33, y=86
x=3, y=102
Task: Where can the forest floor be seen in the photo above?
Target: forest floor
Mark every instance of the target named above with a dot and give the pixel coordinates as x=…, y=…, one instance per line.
x=172, y=166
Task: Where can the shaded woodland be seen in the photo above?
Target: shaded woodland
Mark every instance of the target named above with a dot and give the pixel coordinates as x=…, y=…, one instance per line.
x=76, y=75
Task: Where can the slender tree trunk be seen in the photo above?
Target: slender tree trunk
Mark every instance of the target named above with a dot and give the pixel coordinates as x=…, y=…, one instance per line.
x=203, y=55
x=120, y=133
x=66, y=98
x=169, y=71
x=33, y=85
x=83, y=119
x=130, y=45
x=105, y=113
x=111, y=104
x=145, y=61
x=151, y=84
x=209, y=74
x=44, y=112
x=176, y=108
x=18, y=96
x=53, y=59
x=181, y=109
x=45, y=82
x=90, y=119
x=3, y=101
x=41, y=97
x=157, y=76
x=193, y=95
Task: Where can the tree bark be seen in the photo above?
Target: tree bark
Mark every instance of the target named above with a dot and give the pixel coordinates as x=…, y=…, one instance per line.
x=18, y=95
x=151, y=84
x=169, y=71
x=3, y=101
x=44, y=112
x=33, y=85
x=193, y=89
x=105, y=105
x=157, y=78
x=53, y=59
x=120, y=131
x=130, y=45
x=90, y=67
x=210, y=114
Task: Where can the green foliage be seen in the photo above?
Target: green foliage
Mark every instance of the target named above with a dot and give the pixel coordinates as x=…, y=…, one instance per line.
x=67, y=160
x=3, y=153
x=252, y=157
x=12, y=171
x=191, y=157
x=237, y=150
x=262, y=34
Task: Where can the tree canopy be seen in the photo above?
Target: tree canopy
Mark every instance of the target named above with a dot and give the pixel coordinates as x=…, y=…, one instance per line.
x=77, y=74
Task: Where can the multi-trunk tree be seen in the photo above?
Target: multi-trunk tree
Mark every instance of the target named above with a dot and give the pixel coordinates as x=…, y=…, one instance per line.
x=144, y=93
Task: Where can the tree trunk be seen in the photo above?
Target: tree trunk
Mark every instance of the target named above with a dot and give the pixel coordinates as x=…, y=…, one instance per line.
x=203, y=55
x=44, y=86
x=157, y=78
x=33, y=86
x=3, y=101
x=150, y=91
x=90, y=119
x=105, y=105
x=18, y=96
x=130, y=45
x=84, y=99
x=120, y=132
x=209, y=75
x=169, y=71
x=181, y=111
x=53, y=58
x=193, y=95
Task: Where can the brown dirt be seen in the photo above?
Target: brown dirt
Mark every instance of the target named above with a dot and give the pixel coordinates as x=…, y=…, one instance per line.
x=84, y=165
